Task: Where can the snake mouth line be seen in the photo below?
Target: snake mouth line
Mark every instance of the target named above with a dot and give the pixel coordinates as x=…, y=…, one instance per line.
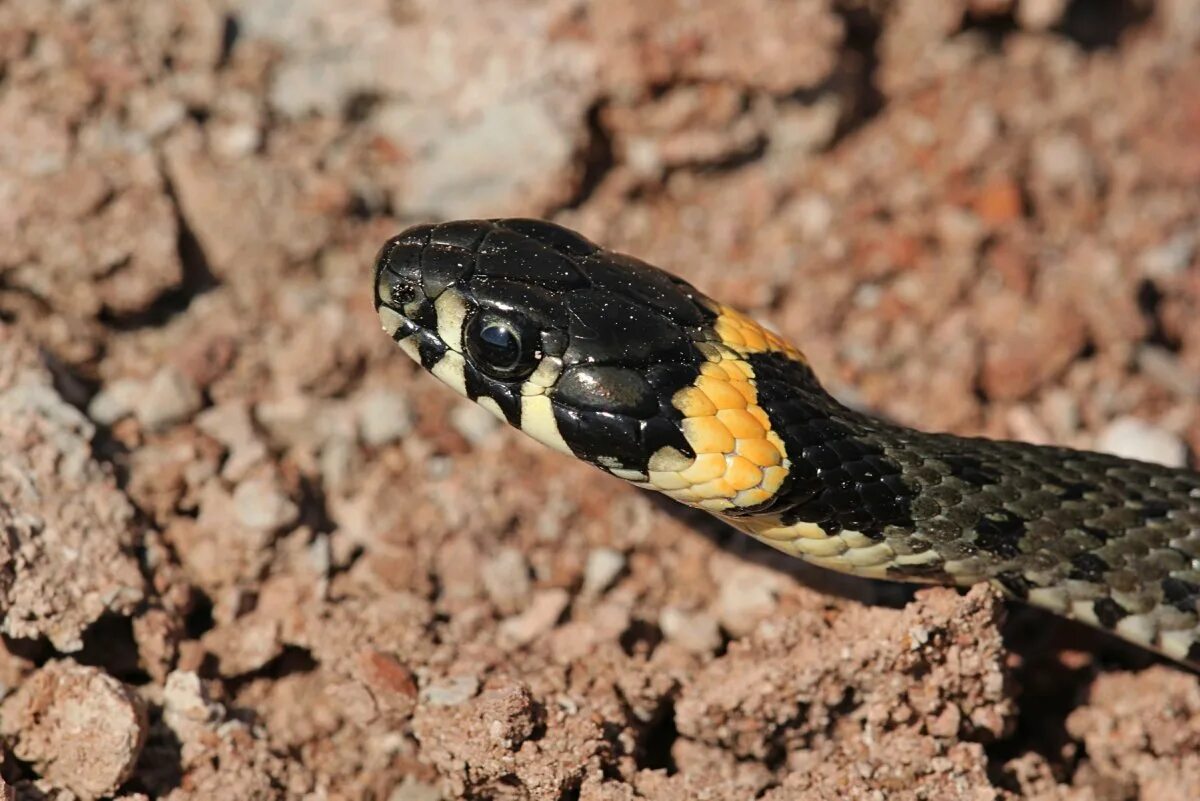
x=397, y=325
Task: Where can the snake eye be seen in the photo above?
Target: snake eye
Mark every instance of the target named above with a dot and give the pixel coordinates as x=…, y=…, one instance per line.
x=504, y=348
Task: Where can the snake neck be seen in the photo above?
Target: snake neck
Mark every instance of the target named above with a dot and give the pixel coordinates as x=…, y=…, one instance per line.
x=845, y=468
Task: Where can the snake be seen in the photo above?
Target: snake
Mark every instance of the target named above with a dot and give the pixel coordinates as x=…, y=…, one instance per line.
x=630, y=368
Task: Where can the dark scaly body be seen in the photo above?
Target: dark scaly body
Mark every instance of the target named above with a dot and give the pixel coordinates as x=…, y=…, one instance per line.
x=631, y=369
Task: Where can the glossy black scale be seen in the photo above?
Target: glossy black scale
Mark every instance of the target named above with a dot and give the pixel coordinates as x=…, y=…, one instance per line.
x=599, y=327
x=839, y=479
x=507, y=254
x=607, y=388
x=643, y=284
x=442, y=267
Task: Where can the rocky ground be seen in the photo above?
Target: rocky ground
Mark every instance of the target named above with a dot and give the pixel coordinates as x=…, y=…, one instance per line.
x=252, y=554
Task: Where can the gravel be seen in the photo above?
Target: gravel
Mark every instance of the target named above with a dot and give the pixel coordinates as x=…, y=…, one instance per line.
x=289, y=565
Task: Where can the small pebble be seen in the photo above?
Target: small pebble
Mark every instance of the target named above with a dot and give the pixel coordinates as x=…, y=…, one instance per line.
x=234, y=139
x=697, y=632
x=1133, y=438
x=947, y=723
x=747, y=595
x=383, y=417
x=980, y=130
x=185, y=703
x=506, y=579
x=415, y=790
x=1060, y=410
x=450, y=691
x=1040, y=15
x=1063, y=161
x=154, y=114
x=959, y=230
x=510, y=714
x=813, y=214
x=386, y=675
x=807, y=128
x=539, y=617
x=116, y=400
x=353, y=701
x=244, y=646
x=320, y=554
x=643, y=157
x=227, y=423
x=1026, y=426
x=292, y=419
x=1180, y=20
x=260, y=504
x=170, y=398
x=340, y=458
x=230, y=424
x=602, y=568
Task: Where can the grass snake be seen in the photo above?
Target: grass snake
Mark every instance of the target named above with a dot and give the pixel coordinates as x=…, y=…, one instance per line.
x=627, y=367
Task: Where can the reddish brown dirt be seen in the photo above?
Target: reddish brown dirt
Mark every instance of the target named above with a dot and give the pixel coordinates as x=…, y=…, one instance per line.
x=253, y=553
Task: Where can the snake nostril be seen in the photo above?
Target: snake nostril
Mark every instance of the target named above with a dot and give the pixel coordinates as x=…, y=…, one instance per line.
x=393, y=290
x=404, y=295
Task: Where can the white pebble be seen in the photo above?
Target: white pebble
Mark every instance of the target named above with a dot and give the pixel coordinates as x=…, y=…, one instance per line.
x=234, y=139
x=450, y=691
x=383, y=417
x=1132, y=438
x=813, y=214
x=602, y=568
x=116, y=400
x=1063, y=161
x=747, y=595
x=171, y=397
x=412, y=789
x=1040, y=15
x=259, y=504
x=539, y=617
x=696, y=632
x=506, y=579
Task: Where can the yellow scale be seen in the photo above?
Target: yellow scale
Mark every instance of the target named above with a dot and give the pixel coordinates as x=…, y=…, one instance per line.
x=740, y=461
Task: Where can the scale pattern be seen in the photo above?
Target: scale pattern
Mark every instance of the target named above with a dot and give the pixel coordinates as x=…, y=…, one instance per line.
x=1109, y=541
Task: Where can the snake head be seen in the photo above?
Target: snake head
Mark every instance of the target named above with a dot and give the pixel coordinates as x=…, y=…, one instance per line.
x=591, y=352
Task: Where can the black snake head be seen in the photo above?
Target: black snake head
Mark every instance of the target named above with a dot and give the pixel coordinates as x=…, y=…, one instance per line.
x=594, y=353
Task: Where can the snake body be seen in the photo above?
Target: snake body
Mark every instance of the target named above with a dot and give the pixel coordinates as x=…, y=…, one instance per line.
x=606, y=358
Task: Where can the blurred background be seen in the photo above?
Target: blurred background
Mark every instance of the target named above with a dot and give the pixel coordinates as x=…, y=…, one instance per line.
x=251, y=540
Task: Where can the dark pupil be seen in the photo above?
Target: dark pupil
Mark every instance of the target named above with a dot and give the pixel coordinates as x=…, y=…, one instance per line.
x=500, y=345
